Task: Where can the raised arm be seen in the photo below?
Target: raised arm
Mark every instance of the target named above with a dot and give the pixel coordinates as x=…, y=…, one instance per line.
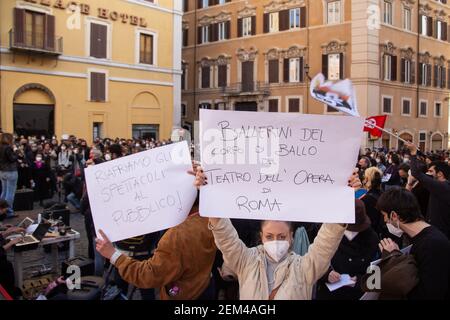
x=163, y=268
x=432, y=185
x=235, y=253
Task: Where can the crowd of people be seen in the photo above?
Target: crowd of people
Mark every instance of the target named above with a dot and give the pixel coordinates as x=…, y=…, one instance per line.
x=402, y=198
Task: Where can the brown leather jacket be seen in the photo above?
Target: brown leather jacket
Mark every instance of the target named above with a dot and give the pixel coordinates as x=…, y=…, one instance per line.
x=184, y=258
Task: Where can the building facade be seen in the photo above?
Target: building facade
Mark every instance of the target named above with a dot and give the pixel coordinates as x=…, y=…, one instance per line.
x=93, y=68
x=260, y=56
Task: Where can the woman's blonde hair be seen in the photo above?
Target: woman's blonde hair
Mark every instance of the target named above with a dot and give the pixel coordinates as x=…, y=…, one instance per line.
x=372, y=178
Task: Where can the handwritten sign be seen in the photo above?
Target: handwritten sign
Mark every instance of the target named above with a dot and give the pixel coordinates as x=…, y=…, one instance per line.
x=141, y=193
x=275, y=166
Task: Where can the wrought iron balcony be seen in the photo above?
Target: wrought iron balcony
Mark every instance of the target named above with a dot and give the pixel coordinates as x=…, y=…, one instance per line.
x=28, y=41
x=246, y=88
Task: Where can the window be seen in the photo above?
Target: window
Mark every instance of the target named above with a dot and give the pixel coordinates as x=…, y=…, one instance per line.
x=423, y=110
x=183, y=110
x=273, y=22
x=99, y=41
x=334, y=65
x=206, y=77
x=222, y=77
x=331, y=110
x=294, y=105
x=423, y=24
x=387, y=105
x=387, y=67
x=439, y=33
x=247, y=26
x=407, y=71
x=387, y=17
x=222, y=31
x=425, y=74
x=97, y=130
x=204, y=105
x=407, y=19
x=185, y=37
x=334, y=12
x=34, y=29
x=273, y=105
x=422, y=140
x=438, y=110
x=426, y=26
x=97, y=86
x=205, y=3
x=406, y=107
x=184, y=77
x=294, y=70
x=146, y=48
x=274, y=71
x=294, y=18
x=205, y=34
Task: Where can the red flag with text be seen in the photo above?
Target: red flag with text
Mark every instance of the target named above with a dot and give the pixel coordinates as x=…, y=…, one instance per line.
x=373, y=124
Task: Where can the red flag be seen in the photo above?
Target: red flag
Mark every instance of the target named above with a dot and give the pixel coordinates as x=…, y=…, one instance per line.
x=372, y=123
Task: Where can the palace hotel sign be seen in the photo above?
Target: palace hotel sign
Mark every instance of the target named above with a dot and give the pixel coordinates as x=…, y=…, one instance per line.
x=86, y=10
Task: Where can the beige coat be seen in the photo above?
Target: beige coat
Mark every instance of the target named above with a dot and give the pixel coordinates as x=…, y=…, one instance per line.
x=296, y=275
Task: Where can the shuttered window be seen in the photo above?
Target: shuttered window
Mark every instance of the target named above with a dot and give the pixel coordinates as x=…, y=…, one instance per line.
x=99, y=41
x=146, y=48
x=222, y=76
x=294, y=105
x=273, y=71
x=333, y=66
x=34, y=29
x=98, y=86
x=273, y=105
x=206, y=78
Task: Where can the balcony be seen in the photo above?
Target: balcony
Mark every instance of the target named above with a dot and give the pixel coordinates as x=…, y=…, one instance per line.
x=35, y=43
x=247, y=89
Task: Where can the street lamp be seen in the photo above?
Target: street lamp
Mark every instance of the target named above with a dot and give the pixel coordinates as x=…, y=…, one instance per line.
x=307, y=71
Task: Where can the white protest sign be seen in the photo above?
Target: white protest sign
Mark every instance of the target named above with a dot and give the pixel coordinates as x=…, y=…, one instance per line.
x=141, y=193
x=275, y=166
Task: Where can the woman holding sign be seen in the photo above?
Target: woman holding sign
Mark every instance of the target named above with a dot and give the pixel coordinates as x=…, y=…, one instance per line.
x=271, y=270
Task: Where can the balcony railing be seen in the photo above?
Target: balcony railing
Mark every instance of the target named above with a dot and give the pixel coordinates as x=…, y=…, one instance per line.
x=247, y=88
x=35, y=42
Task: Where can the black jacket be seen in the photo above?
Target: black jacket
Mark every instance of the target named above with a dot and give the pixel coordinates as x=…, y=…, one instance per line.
x=8, y=158
x=353, y=258
x=438, y=212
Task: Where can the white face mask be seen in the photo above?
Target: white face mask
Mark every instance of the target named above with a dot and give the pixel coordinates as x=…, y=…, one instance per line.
x=277, y=250
x=350, y=235
x=107, y=157
x=390, y=161
x=395, y=230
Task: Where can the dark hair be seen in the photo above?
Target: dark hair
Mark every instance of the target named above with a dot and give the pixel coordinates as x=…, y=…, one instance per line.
x=404, y=167
x=395, y=159
x=403, y=202
x=288, y=223
x=3, y=204
x=116, y=149
x=6, y=139
x=441, y=166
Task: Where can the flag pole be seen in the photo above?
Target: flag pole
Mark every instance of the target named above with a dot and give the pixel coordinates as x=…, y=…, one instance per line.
x=390, y=133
